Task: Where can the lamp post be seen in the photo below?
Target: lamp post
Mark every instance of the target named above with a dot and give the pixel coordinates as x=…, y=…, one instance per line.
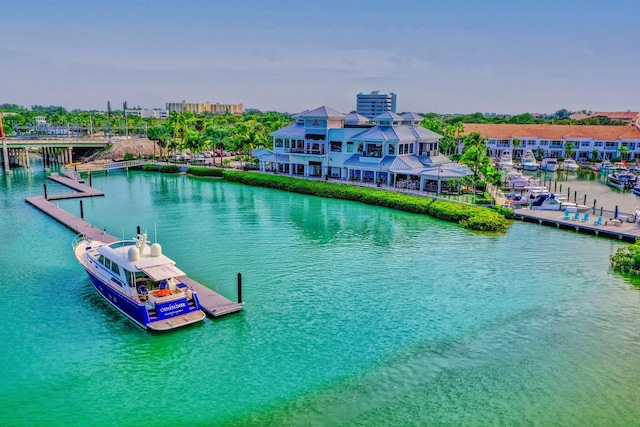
x=439, y=184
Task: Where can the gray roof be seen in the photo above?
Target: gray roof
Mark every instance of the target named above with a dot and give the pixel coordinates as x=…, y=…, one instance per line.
x=411, y=116
x=403, y=133
x=448, y=171
x=388, y=116
x=356, y=119
x=354, y=162
x=415, y=165
x=322, y=113
x=295, y=130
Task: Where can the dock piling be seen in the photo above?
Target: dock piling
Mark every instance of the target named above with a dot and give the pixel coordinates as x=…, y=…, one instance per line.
x=239, y=288
x=138, y=229
x=45, y=191
x=81, y=210
x=89, y=179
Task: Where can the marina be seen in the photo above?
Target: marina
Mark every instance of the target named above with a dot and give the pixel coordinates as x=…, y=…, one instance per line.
x=411, y=309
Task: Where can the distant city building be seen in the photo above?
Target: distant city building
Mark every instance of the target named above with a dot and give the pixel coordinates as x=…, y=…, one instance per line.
x=204, y=107
x=628, y=117
x=375, y=103
x=146, y=113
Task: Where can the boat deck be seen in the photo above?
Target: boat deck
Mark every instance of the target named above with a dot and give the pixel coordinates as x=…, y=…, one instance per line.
x=211, y=302
x=616, y=229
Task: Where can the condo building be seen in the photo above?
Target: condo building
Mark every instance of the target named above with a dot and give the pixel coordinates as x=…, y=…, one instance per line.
x=585, y=142
x=204, y=107
x=375, y=103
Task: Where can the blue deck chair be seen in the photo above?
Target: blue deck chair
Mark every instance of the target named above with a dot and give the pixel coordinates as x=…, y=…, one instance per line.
x=598, y=221
x=567, y=217
x=576, y=216
x=585, y=218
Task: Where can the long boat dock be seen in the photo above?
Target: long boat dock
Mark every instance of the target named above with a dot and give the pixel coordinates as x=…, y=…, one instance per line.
x=620, y=229
x=211, y=302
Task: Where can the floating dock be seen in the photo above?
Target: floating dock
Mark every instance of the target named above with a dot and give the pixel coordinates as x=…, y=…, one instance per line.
x=212, y=303
x=619, y=229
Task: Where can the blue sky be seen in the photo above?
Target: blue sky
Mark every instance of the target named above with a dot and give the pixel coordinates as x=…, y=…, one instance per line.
x=437, y=56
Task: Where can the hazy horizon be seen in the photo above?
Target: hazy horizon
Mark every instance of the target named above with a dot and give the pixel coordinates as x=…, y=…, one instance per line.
x=459, y=57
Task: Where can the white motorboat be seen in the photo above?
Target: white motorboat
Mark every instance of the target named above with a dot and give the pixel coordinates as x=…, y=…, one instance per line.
x=139, y=281
x=622, y=179
x=529, y=162
x=549, y=164
x=505, y=162
x=550, y=202
x=570, y=165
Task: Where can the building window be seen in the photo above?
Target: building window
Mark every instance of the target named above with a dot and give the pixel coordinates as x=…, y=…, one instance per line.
x=336, y=146
x=392, y=150
x=349, y=147
x=278, y=142
x=360, y=147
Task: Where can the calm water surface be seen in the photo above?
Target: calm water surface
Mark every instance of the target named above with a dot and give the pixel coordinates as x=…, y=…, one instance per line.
x=354, y=315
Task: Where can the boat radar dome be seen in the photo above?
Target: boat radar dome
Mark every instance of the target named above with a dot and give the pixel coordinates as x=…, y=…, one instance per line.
x=156, y=250
x=134, y=253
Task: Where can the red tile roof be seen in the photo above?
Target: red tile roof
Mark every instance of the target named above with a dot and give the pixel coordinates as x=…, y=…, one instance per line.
x=553, y=132
x=617, y=115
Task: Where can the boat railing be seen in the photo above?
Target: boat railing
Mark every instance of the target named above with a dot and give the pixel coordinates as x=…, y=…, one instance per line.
x=76, y=240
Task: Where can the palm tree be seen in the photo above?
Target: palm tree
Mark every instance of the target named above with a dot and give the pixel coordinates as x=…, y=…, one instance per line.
x=515, y=142
x=594, y=155
x=568, y=149
x=624, y=152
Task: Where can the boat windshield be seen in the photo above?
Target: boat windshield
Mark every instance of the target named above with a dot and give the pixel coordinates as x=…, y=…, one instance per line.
x=122, y=244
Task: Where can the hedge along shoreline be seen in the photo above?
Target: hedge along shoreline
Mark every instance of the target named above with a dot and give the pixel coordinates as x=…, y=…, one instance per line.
x=469, y=217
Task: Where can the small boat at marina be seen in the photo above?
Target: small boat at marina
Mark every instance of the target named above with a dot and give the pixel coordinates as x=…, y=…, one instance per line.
x=570, y=165
x=549, y=164
x=516, y=180
x=505, y=162
x=636, y=190
x=550, y=202
x=603, y=167
x=139, y=281
x=622, y=179
x=529, y=162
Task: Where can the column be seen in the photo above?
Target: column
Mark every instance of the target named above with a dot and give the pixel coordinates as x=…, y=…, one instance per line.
x=5, y=156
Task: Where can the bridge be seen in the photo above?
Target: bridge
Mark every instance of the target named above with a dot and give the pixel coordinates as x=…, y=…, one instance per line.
x=15, y=151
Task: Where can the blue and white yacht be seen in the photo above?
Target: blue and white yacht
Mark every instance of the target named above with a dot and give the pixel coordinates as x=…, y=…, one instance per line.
x=139, y=281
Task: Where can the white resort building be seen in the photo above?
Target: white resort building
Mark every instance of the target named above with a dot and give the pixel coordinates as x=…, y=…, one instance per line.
x=389, y=148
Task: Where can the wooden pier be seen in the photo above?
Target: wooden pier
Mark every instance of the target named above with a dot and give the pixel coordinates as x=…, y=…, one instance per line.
x=619, y=229
x=212, y=303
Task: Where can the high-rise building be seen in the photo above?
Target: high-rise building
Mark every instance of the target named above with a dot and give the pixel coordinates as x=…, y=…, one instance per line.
x=375, y=103
x=202, y=107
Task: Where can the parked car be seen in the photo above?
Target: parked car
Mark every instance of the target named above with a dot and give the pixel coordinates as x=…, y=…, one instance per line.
x=198, y=158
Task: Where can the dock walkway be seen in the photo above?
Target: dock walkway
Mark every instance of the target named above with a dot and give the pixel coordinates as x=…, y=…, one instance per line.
x=211, y=302
x=620, y=230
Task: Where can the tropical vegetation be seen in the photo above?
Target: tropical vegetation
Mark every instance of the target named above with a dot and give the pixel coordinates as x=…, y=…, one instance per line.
x=627, y=260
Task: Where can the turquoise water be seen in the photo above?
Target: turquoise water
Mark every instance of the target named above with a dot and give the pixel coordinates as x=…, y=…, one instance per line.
x=354, y=315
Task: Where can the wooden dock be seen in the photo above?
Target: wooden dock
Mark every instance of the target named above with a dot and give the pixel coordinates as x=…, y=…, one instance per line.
x=212, y=303
x=622, y=230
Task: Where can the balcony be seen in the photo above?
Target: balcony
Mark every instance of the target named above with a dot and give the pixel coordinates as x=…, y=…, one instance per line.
x=315, y=151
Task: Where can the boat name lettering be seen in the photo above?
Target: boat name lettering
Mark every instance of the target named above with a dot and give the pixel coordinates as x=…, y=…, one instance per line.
x=173, y=307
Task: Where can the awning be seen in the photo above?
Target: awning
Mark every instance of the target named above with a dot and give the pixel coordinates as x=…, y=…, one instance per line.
x=161, y=272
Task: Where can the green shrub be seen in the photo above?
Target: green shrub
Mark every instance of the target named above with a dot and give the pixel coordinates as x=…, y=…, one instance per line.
x=169, y=169
x=471, y=217
x=505, y=212
x=217, y=172
x=150, y=167
x=129, y=156
x=627, y=259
